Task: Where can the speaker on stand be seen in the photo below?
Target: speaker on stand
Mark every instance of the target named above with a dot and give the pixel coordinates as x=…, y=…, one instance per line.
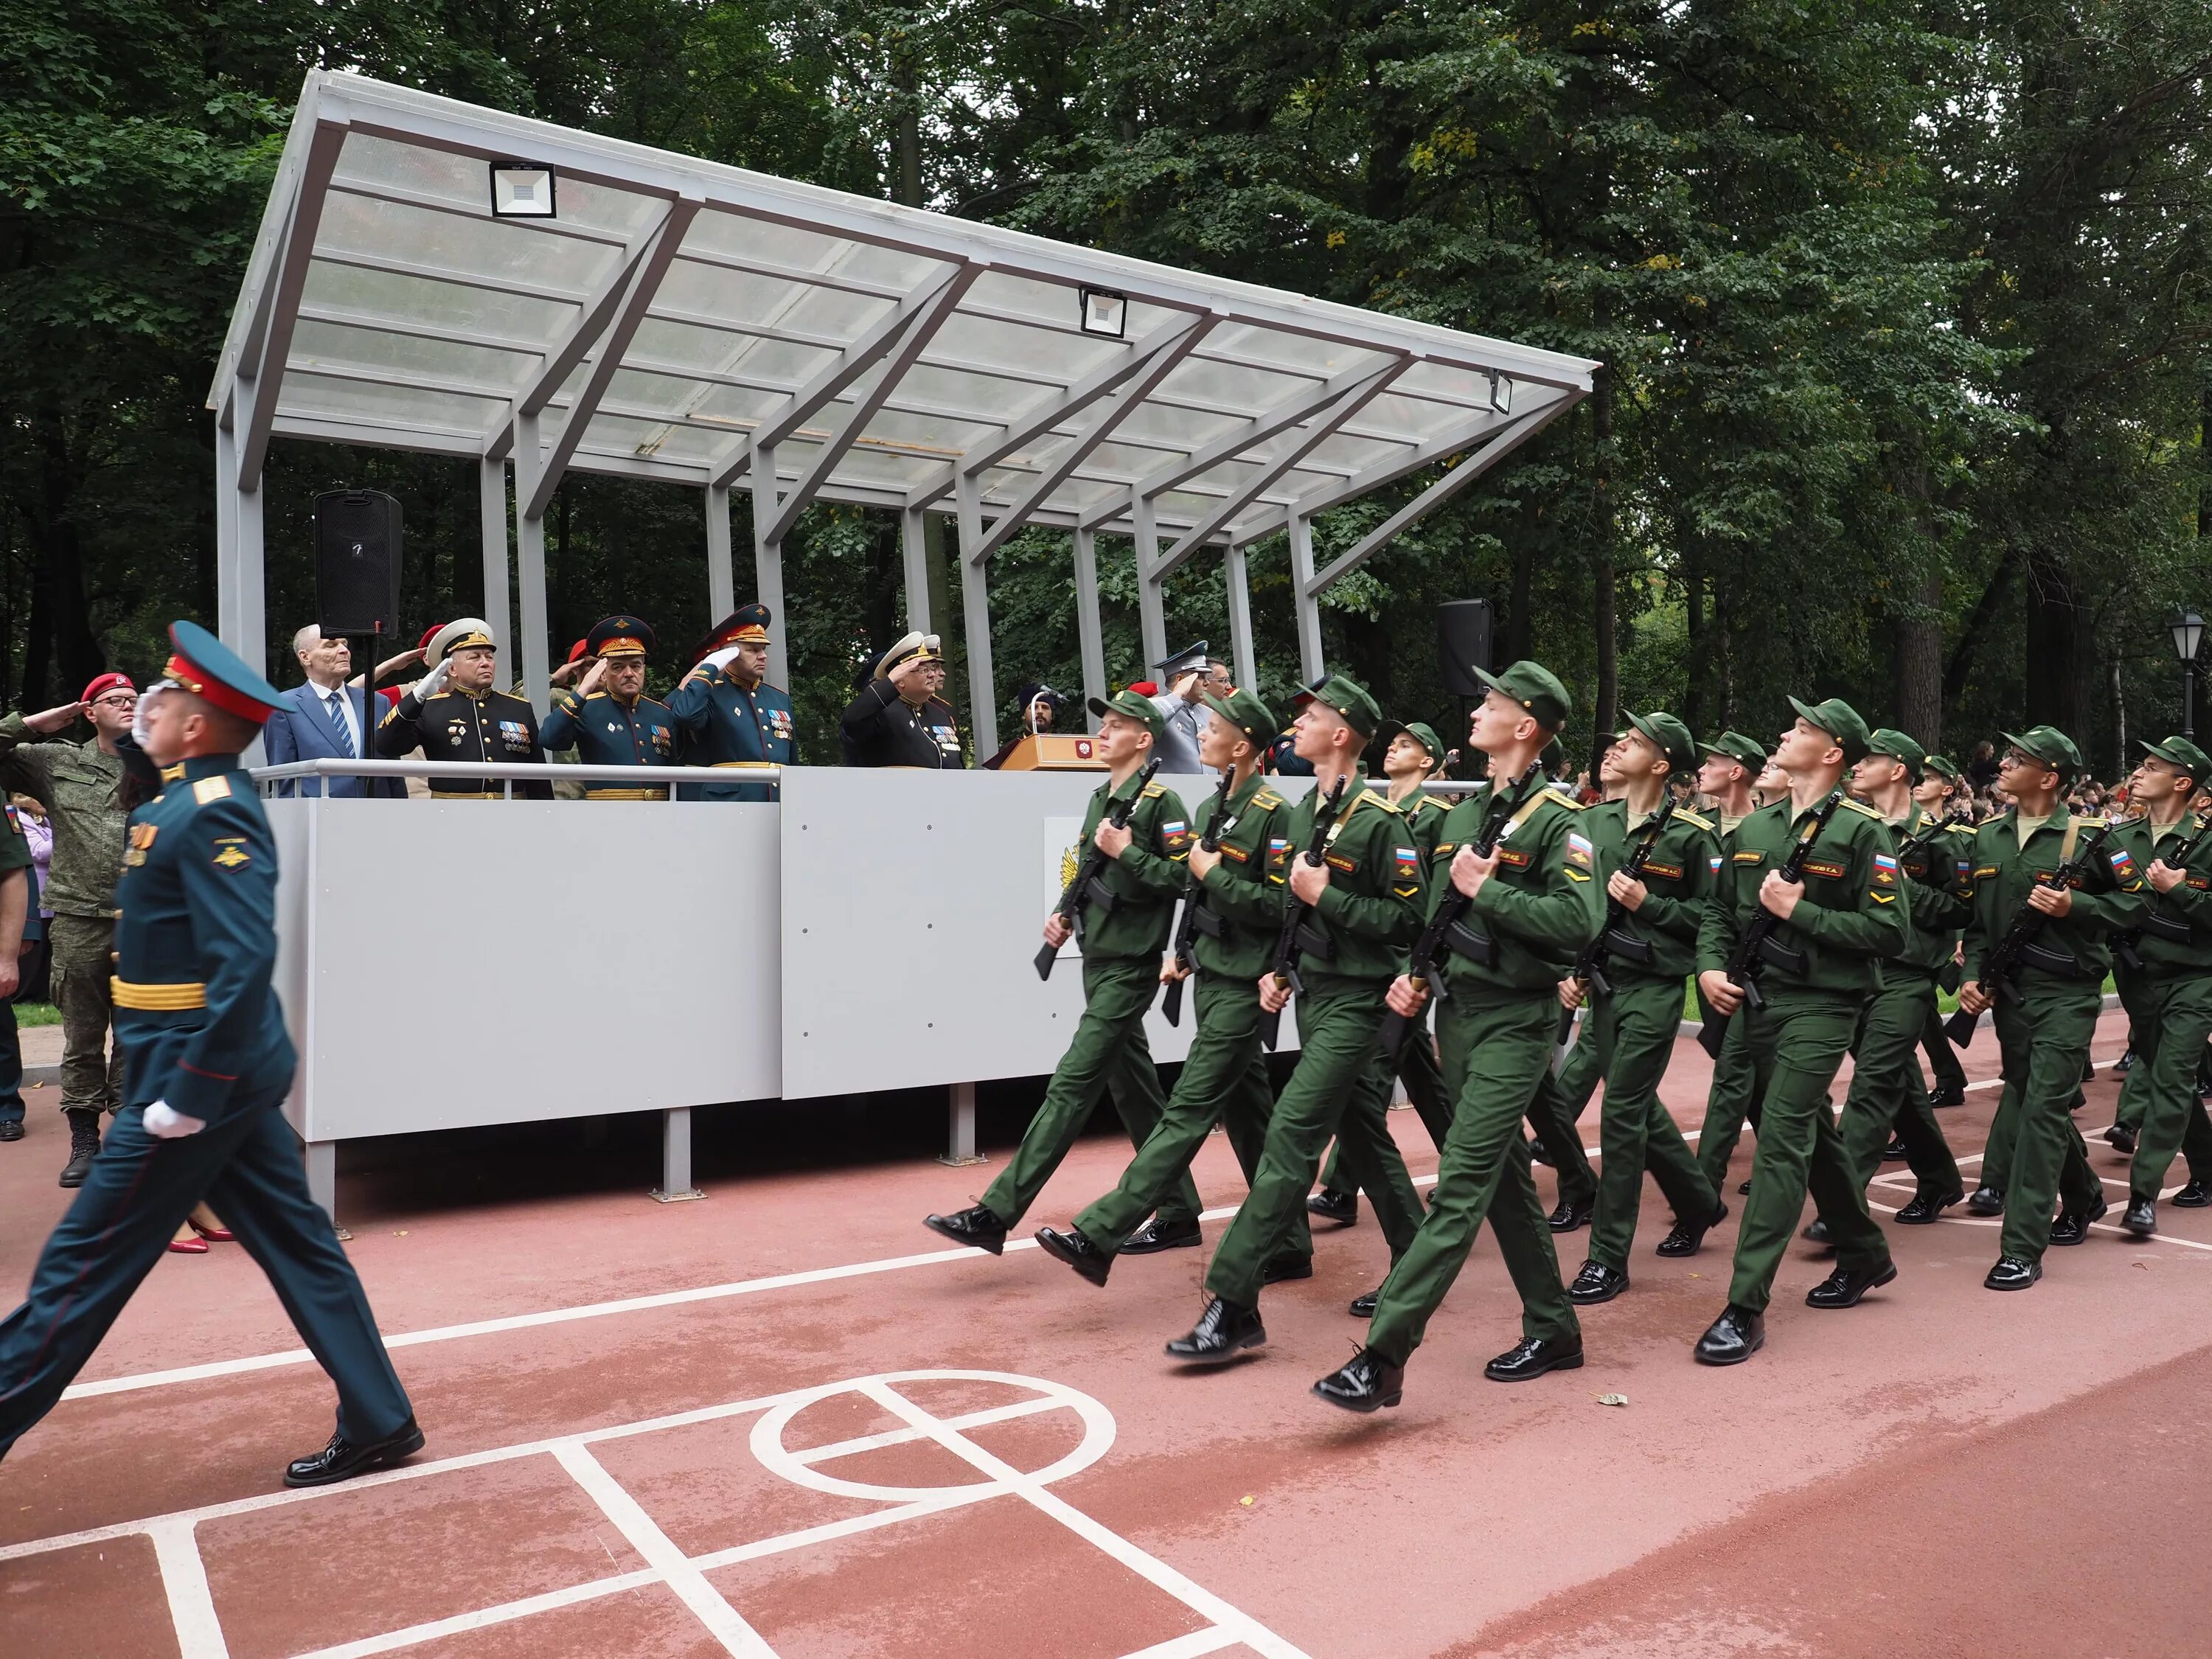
x=1464, y=628
x=357, y=549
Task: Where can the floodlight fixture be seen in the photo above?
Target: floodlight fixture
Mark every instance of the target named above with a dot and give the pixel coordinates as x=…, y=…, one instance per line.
x=521, y=190
x=1106, y=313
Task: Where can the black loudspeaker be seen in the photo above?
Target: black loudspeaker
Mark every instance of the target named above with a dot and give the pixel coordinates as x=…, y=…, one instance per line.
x=357, y=563
x=1463, y=638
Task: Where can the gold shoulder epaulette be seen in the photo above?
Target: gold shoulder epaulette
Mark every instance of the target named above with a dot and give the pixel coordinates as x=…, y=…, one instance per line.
x=1384, y=802
x=594, y=696
x=1865, y=810
x=1564, y=797
x=1687, y=817
x=1267, y=798
x=1155, y=789
x=2091, y=824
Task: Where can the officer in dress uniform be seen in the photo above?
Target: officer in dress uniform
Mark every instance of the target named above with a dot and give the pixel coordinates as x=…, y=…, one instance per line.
x=608, y=719
x=898, y=718
x=729, y=715
x=209, y=1067
x=452, y=714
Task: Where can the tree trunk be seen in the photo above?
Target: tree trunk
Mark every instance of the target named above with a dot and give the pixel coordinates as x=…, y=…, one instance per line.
x=1604, y=623
x=62, y=654
x=1520, y=620
x=1693, y=634
x=1920, y=665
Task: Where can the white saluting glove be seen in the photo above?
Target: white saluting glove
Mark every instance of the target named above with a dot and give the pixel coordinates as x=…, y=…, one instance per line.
x=138, y=726
x=434, y=681
x=165, y=1124
x=720, y=659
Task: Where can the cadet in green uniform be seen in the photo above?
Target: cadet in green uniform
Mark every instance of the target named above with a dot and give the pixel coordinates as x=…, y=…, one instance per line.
x=1532, y=904
x=1121, y=936
x=2044, y=1035
x=1818, y=971
x=2169, y=997
x=1239, y=895
x=1366, y=899
x=1938, y=794
x=1650, y=952
x=1732, y=762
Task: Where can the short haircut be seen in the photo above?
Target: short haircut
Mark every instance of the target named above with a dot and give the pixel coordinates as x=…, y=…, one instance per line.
x=233, y=731
x=306, y=638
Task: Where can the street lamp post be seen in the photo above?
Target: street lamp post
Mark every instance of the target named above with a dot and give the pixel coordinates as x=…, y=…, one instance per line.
x=2188, y=630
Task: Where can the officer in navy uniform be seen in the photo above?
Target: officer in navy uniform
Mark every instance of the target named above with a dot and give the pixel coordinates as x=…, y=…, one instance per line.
x=727, y=713
x=898, y=718
x=207, y=1066
x=452, y=714
x=608, y=719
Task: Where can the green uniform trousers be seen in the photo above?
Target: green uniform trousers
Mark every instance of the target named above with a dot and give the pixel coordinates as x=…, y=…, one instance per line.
x=1582, y=1070
x=1796, y=1045
x=1341, y=1087
x=1637, y=1024
x=92, y=1076
x=1424, y=1090
x=1558, y=1106
x=1885, y=1091
x=1495, y=1051
x=2172, y=1019
x=1942, y=1058
x=1224, y=1077
x=1729, y=1101
x=1109, y=1054
x=2042, y=1039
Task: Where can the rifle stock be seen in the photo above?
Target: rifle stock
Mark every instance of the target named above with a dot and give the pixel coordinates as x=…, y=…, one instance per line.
x=1186, y=935
x=1284, y=963
x=1092, y=866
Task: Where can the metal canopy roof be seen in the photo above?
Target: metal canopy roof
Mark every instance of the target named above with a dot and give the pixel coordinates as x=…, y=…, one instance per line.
x=706, y=325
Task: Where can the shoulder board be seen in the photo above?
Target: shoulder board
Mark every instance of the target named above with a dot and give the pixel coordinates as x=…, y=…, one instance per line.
x=595, y=696
x=1267, y=798
x=655, y=702
x=1154, y=789
x=1383, y=801
x=1563, y=798
x=208, y=790
x=1865, y=810
x=2090, y=824
x=1684, y=815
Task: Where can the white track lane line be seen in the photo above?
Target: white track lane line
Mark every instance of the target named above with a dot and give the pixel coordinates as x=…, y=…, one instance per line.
x=506, y=1612
x=1189, y=1647
x=184, y=1580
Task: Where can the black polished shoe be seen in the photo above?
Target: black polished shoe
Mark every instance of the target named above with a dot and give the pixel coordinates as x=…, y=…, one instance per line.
x=1927, y=1209
x=2089, y=1069
x=2013, y=1272
x=342, y=1460
x=1533, y=1356
x=1573, y=1213
x=2197, y=1195
x=1537, y=1155
x=1733, y=1338
x=1596, y=1283
x=1367, y=1383
x=1744, y=1191
x=978, y=1227
x=1151, y=1238
x=2073, y=1225
x=1844, y=1287
x=1897, y=1151
x=1223, y=1331
x=2126, y=1062
x=1947, y=1094
x=1078, y=1251
x=1686, y=1240
x=1286, y=1268
x=1362, y=1307
x=1817, y=1233
x=11, y=1129
x=2142, y=1218
x=1330, y=1205
x=1986, y=1200
x=2120, y=1138
x=84, y=1147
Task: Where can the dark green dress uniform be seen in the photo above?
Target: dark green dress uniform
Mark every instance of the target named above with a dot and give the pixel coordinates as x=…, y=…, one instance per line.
x=462, y=726
x=2169, y=1004
x=605, y=732
x=196, y=944
x=723, y=724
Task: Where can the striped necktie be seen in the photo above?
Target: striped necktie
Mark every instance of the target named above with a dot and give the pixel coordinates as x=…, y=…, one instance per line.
x=338, y=719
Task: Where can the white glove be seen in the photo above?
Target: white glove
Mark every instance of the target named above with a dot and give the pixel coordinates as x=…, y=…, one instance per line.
x=721, y=658
x=164, y=1123
x=138, y=726
x=434, y=681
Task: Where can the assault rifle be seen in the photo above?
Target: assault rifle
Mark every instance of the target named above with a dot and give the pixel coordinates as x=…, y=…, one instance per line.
x=2018, y=948
x=1296, y=938
x=1920, y=851
x=1088, y=887
x=1448, y=929
x=1615, y=939
x=2157, y=923
x=1758, y=947
x=1196, y=918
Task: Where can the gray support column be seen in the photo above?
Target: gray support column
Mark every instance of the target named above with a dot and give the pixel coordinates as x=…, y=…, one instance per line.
x=241, y=593
x=960, y=1127
x=676, y=1148
x=491, y=511
x=721, y=573
x=536, y=655
x=323, y=1175
x=1242, y=663
x=252, y=584
x=1308, y=607
x=767, y=566
x=976, y=623
x=1151, y=611
x=914, y=558
x=1089, y=631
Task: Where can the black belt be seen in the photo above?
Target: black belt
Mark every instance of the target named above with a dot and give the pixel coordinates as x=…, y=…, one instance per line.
x=2059, y=964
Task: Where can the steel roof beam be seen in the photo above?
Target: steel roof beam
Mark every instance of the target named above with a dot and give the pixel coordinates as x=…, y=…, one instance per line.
x=259, y=372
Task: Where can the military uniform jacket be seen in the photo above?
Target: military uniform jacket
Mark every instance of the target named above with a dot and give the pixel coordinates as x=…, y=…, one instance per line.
x=1425, y=816
x=2189, y=905
x=75, y=782
x=605, y=732
x=15, y=854
x=881, y=728
x=1678, y=877
x=1932, y=886
x=196, y=944
x=1852, y=915
x=722, y=724
x=1370, y=910
x=456, y=726
x=1542, y=905
x=1244, y=892
x=2110, y=898
x=1145, y=881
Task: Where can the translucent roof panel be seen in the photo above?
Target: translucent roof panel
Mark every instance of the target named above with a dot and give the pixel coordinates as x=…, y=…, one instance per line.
x=671, y=316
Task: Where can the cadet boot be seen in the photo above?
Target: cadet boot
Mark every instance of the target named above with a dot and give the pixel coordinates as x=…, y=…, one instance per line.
x=1817, y=1233
x=1733, y=1338
x=1686, y=1239
x=1947, y=1094
x=1537, y=1155
x=1366, y=1383
x=1927, y=1209
x=2142, y=1218
x=1573, y=1213
x=2195, y=1196
x=2126, y=1062
x=2121, y=1138
x=1223, y=1331
x=1596, y=1283
x=342, y=1460
x=2073, y=1225
x=2013, y=1272
x=1330, y=1205
x=1078, y=1251
x=980, y=1227
x=1286, y=1268
x=1986, y=1200
x=1534, y=1356
x=1897, y=1151
x=1362, y=1307
x=1744, y=1190
x=11, y=1129
x=84, y=1145
x=1844, y=1287
x=1151, y=1238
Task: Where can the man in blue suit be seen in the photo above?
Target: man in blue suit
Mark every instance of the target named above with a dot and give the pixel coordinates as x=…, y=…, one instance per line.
x=322, y=720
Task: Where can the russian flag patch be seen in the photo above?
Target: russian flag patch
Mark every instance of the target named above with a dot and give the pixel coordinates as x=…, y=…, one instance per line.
x=1579, y=850
x=2123, y=864
x=1885, y=870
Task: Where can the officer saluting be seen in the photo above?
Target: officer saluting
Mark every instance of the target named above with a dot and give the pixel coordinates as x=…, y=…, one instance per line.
x=729, y=715
x=898, y=718
x=454, y=715
x=209, y=1065
x=608, y=719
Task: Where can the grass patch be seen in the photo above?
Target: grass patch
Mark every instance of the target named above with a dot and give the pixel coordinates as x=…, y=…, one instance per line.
x=37, y=1013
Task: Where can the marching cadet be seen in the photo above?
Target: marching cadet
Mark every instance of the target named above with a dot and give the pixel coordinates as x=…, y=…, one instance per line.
x=1732, y=763
x=1818, y=971
x=1224, y=1076
x=454, y=714
x=1648, y=955
x=897, y=719
x=1532, y=904
x=1936, y=793
x=608, y=719
x=2168, y=996
x=1365, y=908
x=210, y=1065
x=2043, y=1035
x=1122, y=937
x=727, y=715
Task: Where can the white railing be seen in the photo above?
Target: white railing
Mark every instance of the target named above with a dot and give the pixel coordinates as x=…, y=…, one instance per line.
x=511, y=772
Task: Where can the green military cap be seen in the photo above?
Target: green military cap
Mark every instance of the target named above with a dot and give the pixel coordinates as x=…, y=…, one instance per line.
x=2181, y=753
x=1534, y=687
x=1554, y=758
x=1669, y=737
x=1244, y=711
x=1425, y=735
x=1944, y=766
x=1128, y=704
x=1349, y=698
x=1840, y=722
x=1897, y=746
x=1748, y=752
x=2048, y=744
